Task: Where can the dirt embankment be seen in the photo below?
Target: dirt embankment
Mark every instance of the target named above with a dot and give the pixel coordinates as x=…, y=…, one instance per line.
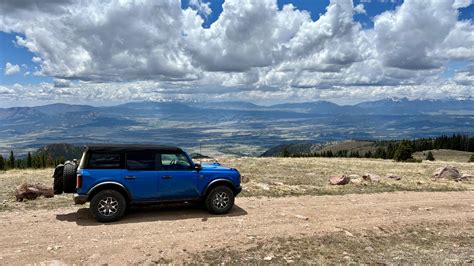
x=387, y=227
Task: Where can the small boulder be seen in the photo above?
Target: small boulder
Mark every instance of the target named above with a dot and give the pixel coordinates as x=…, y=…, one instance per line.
x=245, y=179
x=302, y=217
x=32, y=191
x=369, y=249
x=263, y=186
x=448, y=171
x=356, y=181
x=339, y=180
x=393, y=176
x=371, y=177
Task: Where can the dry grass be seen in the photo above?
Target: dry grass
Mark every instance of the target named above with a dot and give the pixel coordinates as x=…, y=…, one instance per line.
x=299, y=176
x=9, y=180
x=280, y=177
x=445, y=155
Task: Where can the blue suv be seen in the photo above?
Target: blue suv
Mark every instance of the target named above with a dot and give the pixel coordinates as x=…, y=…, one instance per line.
x=111, y=177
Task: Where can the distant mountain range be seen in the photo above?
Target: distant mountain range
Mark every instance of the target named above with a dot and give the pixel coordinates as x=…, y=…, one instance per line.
x=222, y=128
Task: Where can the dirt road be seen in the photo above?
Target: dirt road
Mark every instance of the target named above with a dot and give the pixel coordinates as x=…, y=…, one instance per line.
x=299, y=229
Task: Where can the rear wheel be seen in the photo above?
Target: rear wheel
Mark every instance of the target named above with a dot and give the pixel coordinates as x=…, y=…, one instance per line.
x=220, y=200
x=108, y=206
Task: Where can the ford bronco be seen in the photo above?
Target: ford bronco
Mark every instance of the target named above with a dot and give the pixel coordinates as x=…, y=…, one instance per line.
x=113, y=177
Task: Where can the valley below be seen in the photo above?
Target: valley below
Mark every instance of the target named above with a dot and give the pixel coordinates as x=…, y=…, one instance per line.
x=230, y=128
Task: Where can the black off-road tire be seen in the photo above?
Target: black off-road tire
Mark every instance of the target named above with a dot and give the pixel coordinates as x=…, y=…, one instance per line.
x=108, y=206
x=69, y=177
x=58, y=179
x=219, y=200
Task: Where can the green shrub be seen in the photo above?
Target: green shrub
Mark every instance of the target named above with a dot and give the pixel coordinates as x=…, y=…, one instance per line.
x=403, y=152
x=429, y=156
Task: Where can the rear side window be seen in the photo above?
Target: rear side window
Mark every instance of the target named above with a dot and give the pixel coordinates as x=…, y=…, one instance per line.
x=104, y=161
x=144, y=161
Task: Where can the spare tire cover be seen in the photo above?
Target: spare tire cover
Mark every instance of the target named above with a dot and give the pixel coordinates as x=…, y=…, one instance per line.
x=58, y=179
x=69, y=177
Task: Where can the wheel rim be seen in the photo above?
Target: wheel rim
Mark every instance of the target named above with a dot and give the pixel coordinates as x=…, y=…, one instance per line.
x=221, y=200
x=108, y=206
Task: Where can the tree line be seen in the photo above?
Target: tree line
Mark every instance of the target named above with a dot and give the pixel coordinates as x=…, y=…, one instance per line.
x=34, y=161
x=400, y=150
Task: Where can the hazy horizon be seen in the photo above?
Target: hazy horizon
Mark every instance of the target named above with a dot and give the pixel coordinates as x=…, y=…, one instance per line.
x=103, y=104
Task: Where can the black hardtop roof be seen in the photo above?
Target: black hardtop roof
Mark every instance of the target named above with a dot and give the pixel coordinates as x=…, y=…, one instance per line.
x=130, y=147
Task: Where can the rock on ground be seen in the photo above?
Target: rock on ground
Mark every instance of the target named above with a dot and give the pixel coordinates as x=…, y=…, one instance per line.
x=393, y=176
x=447, y=172
x=32, y=191
x=339, y=180
x=371, y=177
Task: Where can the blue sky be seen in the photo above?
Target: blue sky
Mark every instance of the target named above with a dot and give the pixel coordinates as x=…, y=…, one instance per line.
x=193, y=68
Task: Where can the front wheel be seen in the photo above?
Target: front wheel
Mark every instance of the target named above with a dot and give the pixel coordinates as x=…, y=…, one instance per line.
x=108, y=206
x=220, y=200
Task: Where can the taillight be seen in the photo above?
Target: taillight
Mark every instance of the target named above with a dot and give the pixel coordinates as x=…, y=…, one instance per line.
x=79, y=181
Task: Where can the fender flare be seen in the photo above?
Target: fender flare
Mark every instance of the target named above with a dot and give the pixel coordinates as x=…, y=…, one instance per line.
x=107, y=183
x=219, y=180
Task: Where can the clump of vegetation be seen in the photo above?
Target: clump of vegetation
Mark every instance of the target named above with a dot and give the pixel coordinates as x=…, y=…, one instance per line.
x=403, y=152
x=399, y=150
x=2, y=163
x=36, y=161
x=429, y=156
x=47, y=156
x=471, y=160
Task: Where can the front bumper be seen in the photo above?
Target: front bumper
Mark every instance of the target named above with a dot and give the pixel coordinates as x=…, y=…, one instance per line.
x=80, y=199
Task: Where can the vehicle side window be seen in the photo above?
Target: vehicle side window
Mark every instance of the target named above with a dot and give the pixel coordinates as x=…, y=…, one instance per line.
x=104, y=161
x=174, y=161
x=141, y=161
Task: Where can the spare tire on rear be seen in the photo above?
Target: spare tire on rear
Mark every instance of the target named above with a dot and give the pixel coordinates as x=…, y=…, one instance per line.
x=58, y=179
x=69, y=177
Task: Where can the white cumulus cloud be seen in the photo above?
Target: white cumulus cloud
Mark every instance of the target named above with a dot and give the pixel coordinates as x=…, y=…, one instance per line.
x=360, y=9
x=11, y=69
x=253, y=48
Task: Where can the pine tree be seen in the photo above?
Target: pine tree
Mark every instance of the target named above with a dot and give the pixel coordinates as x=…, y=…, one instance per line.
x=329, y=154
x=390, y=150
x=286, y=153
x=403, y=151
x=368, y=154
x=11, y=160
x=380, y=153
x=2, y=163
x=43, y=161
x=29, y=161
x=429, y=156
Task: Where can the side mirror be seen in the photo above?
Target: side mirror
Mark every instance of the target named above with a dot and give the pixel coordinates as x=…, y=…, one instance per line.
x=197, y=167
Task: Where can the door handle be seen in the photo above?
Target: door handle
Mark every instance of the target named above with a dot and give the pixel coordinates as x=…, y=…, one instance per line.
x=166, y=177
x=130, y=177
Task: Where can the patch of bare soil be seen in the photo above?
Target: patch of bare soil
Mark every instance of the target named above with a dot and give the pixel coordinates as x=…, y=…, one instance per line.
x=369, y=228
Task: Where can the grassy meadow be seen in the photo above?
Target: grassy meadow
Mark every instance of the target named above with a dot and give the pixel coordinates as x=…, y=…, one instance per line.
x=445, y=155
x=281, y=177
